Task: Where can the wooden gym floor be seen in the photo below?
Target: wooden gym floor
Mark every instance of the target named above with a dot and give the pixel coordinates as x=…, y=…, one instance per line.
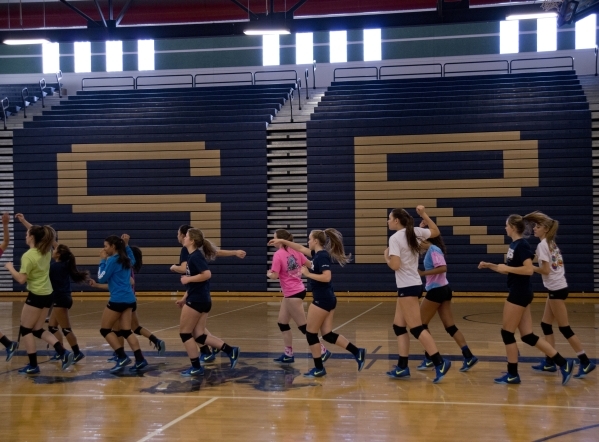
x=261, y=401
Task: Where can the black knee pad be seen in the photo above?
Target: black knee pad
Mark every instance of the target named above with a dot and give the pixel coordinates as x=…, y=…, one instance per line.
x=117, y=333
x=66, y=331
x=126, y=333
x=530, y=339
x=185, y=337
x=283, y=327
x=566, y=331
x=202, y=339
x=105, y=332
x=425, y=326
x=399, y=330
x=416, y=331
x=312, y=338
x=302, y=328
x=52, y=330
x=38, y=333
x=452, y=330
x=137, y=331
x=508, y=338
x=547, y=328
x=330, y=337
x=25, y=331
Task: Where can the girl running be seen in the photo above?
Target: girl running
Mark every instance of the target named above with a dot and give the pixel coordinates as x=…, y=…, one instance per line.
x=287, y=268
x=438, y=298
x=196, y=304
x=551, y=268
x=402, y=257
x=323, y=247
x=516, y=310
x=35, y=272
x=11, y=346
x=115, y=269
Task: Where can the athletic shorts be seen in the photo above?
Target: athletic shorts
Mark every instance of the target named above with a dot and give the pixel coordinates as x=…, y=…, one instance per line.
x=120, y=307
x=439, y=294
x=300, y=295
x=134, y=306
x=200, y=307
x=63, y=302
x=411, y=291
x=39, y=301
x=559, y=294
x=521, y=299
x=327, y=304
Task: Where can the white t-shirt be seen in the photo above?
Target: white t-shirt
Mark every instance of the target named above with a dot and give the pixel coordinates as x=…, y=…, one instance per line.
x=407, y=275
x=556, y=279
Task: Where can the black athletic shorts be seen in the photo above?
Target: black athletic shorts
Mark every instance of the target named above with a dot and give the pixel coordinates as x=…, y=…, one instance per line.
x=39, y=301
x=300, y=295
x=200, y=307
x=327, y=304
x=440, y=294
x=134, y=306
x=559, y=294
x=120, y=307
x=407, y=292
x=63, y=302
x=521, y=299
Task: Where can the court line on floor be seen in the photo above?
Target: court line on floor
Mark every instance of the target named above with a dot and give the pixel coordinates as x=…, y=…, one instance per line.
x=564, y=433
x=352, y=319
x=213, y=316
x=153, y=397
x=179, y=419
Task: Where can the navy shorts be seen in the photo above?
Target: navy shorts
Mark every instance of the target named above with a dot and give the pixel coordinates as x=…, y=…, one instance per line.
x=39, y=301
x=327, y=304
x=559, y=294
x=411, y=291
x=200, y=307
x=440, y=294
x=521, y=299
x=120, y=307
x=300, y=295
x=63, y=302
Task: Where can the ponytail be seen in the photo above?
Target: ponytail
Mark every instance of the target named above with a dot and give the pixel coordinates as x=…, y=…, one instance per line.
x=550, y=224
x=407, y=221
x=43, y=237
x=199, y=241
x=138, y=259
x=284, y=234
x=65, y=255
x=438, y=241
x=332, y=241
x=121, y=250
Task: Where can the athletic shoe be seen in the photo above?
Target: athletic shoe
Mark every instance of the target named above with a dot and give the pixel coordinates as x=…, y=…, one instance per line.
x=56, y=357
x=567, y=371
x=192, y=371
x=469, y=363
x=28, y=369
x=426, y=364
x=67, y=359
x=120, y=364
x=207, y=359
x=545, y=366
x=361, y=358
x=442, y=370
x=234, y=356
x=161, y=347
x=11, y=350
x=583, y=371
x=315, y=373
x=284, y=359
x=78, y=357
x=398, y=373
x=113, y=358
x=139, y=366
x=325, y=356
x=508, y=379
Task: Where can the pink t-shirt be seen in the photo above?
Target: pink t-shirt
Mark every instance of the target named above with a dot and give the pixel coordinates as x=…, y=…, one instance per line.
x=288, y=264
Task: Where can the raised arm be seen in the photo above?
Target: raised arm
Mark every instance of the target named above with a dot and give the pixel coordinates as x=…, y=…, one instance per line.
x=6, y=233
x=295, y=246
x=429, y=222
x=223, y=253
x=21, y=218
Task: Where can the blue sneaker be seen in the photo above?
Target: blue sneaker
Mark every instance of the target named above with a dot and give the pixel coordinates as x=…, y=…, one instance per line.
x=548, y=367
x=361, y=358
x=325, y=356
x=234, y=356
x=398, y=373
x=469, y=363
x=120, y=364
x=113, y=358
x=206, y=359
x=315, y=373
x=192, y=371
x=284, y=359
x=139, y=366
x=78, y=357
x=508, y=379
x=11, y=350
x=161, y=347
x=426, y=364
x=442, y=370
x=55, y=357
x=567, y=371
x=583, y=371
x=67, y=359
x=28, y=369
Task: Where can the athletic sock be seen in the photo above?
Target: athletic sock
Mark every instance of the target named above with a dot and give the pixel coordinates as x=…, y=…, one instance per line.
x=138, y=355
x=75, y=349
x=153, y=339
x=59, y=348
x=512, y=368
x=318, y=363
x=120, y=353
x=227, y=349
x=583, y=358
x=352, y=349
x=437, y=359
x=32, y=359
x=288, y=351
x=5, y=341
x=205, y=350
x=427, y=356
x=195, y=363
x=549, y=361
x=559, y=360
x=402, y=362
x=323, y=349
x=466, y=352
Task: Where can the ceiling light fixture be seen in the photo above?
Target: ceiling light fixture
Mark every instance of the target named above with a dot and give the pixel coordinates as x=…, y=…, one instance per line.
x=266, y=32
x=33, y=41
x=540, y=15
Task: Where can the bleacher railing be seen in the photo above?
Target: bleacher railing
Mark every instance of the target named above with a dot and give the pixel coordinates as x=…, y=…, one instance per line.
x=5, y=103
x=414, y=69
x=498, y=66
x=280, y=80
x=569, y=63
x=107, y=79
x=24, y=97
x=222, y=75
x=42, y=87
x=58, y=78
x=186, y=80
x=306, y=74
x=367, y=75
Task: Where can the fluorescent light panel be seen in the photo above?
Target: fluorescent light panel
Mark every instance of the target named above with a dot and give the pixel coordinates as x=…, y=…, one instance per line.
x=37, y=41
x=267, y=32
x=531, y=16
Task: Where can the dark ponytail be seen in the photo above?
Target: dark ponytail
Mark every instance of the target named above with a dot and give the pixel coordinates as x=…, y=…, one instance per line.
x=138, y=259
x=65, y=255
x=407, y=221
x=121, y=250
x=284, y=234
x=438, y=241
